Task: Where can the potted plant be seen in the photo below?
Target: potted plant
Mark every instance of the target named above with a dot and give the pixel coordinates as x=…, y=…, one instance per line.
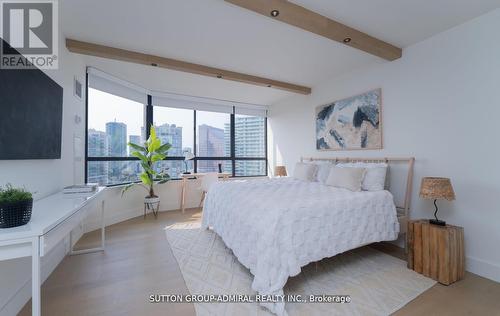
x=152, y=152
x=15, y=206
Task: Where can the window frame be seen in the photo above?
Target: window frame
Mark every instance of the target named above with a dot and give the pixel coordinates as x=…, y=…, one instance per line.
x=149, y=119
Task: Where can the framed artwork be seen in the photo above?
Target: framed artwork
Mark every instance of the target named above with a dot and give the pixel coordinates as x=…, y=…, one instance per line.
x=350, y=124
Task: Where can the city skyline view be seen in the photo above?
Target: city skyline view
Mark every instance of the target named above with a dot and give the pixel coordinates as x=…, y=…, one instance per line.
x=120, y=121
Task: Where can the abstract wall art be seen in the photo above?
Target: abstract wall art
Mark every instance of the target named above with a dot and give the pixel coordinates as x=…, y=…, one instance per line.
x=352, y=123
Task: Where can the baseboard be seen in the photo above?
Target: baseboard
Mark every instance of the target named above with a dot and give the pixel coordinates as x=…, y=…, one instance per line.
x=114, y=218
x=110, y=219
x=483, y=268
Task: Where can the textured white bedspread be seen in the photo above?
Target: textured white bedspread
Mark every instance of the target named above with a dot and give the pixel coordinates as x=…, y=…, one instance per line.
x=276, y=226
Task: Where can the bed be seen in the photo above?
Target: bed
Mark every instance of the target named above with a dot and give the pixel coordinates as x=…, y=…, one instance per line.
x=276, y=226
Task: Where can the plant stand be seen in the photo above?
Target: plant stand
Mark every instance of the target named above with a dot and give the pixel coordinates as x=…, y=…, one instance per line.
x=152, y=204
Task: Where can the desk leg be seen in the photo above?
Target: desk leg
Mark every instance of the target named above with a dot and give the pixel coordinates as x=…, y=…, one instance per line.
x=35, y=278
x=103, y=226
x=103, y=238
x=183, y=194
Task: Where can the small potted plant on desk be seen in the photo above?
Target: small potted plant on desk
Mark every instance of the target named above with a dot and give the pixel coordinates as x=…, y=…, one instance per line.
x=15, y=206
x=152, y=152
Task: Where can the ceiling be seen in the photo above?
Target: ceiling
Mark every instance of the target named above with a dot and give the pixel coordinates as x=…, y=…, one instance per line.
x=218, y=34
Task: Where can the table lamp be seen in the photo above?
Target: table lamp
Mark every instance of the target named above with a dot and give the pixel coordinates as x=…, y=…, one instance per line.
x=434, y=188
x=280, y=171
x=188, y=156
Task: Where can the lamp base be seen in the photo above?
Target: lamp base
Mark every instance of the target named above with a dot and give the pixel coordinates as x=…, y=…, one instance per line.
x=437, y=222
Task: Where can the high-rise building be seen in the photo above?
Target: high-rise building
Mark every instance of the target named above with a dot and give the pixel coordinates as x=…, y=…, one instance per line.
x=249, y=142
x=134, y=166
x=117, y=147
x=97, y=147
x=172, y=134
x=97, y=143
x=227, y=138
x=210, y=144
x=210, y=141
x=117, y=139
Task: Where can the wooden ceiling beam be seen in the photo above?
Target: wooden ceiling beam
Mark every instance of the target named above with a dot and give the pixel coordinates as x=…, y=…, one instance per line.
x=308, y=20
x=173, y=64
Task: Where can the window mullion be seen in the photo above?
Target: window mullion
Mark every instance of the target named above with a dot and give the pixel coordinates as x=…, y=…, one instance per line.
x=149, y=116
x=195, y=162
x=86, y=171
x=232, y=141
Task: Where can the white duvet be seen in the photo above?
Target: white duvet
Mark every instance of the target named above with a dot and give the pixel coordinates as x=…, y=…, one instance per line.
x=276, y=226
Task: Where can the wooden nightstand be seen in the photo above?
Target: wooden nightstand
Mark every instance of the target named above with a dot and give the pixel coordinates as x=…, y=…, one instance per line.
x=436, y=251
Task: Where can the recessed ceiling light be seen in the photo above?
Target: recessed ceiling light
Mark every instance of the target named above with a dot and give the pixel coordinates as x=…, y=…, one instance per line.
x=347, y=40
x=275, y=13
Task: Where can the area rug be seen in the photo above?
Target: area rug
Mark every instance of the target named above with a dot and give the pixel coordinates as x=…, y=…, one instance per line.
x=377, y=283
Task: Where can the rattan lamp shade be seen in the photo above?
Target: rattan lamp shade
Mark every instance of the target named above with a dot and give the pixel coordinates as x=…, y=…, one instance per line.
x=436, y=188
x=280, y=171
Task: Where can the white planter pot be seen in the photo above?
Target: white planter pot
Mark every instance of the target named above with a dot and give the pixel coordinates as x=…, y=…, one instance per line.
x=152, y=199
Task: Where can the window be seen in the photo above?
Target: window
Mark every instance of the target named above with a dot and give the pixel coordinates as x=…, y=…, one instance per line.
x=213, y=140
x=250, y=142
x=249, y=136
x=245, y=168
x=112, y=122
x=176, y=127
x=227, y=142
x=214, y=134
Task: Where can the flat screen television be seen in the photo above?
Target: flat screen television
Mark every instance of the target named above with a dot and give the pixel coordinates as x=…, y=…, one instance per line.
x=31, y=106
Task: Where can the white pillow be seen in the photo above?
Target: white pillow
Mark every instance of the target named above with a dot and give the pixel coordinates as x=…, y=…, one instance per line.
x=347, y=178
x=376, y=173
x=322, y=170
x=304, y=171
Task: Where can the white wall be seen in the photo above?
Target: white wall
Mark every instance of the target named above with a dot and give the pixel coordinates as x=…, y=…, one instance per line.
x=44, y=177
x=119, y=208
x=441, y=105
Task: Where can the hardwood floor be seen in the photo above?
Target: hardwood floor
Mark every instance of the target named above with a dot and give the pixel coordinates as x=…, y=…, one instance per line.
x=138, y=262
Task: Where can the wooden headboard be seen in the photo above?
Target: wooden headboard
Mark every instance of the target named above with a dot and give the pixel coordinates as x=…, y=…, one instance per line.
x=403, y=210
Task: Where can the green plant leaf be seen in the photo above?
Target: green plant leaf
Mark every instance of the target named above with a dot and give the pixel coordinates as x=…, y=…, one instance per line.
x=137, y=147
x=145, y=178
x=163, y=148
x=162, y=178
x=13, y=195
x=127, y=187
x=147, y=168
x=154, y=145
x=153, y=141
x=153, y=151
x=157, y=157
x=140, y=156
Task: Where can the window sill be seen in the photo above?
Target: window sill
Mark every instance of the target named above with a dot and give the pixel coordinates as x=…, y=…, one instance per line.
x=122, y=185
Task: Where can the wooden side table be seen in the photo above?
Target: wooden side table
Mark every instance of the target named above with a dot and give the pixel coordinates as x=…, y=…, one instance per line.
x=436, y=251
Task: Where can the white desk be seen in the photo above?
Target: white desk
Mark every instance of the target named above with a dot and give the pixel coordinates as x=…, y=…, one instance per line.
x=53, y=218
x=185, y=177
